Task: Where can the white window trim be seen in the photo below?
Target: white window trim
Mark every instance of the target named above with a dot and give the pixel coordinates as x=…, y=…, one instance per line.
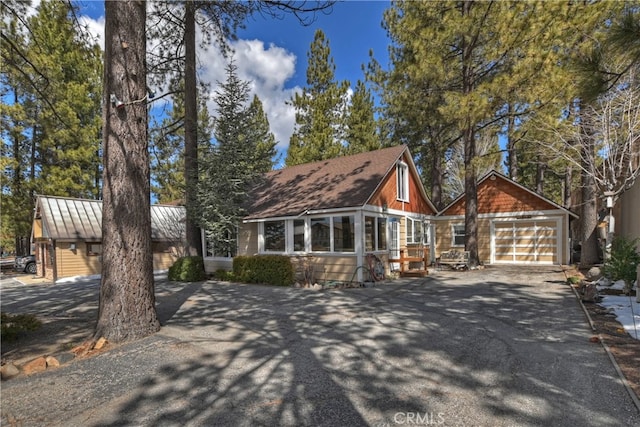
x=402, y=181
x=453, y=235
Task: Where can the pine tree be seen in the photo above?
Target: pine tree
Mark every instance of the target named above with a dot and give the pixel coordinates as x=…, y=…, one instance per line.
x=51, y=82
x=320, y=109
x=127, y=301
x=466, y=62
x=242, y=153
x=361, y=128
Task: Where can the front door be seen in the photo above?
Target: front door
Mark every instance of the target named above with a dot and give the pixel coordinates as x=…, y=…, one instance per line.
x=394, y=243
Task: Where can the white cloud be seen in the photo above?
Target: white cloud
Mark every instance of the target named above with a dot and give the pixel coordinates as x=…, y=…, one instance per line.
x=267, y=68
x=94, y=27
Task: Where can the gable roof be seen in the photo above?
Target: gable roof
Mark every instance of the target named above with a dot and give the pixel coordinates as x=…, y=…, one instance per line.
x=69, y=219
x=499, y=194
x=342, y=182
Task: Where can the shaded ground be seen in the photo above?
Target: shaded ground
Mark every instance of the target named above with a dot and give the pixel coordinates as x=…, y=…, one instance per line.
x=625, y=349
x=497, y=347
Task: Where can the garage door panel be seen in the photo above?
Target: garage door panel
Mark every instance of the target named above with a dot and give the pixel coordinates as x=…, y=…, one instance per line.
x=527, y=241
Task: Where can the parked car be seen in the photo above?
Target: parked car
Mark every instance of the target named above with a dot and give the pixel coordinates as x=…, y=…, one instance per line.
x=25, y=264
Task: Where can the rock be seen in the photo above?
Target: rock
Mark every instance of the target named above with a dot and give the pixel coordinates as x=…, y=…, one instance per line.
x=52, y=362
x=38, y=364
x=100, y=343
x=317, y=287
x=65, y=357
x=9, y=371
x=594, y=273
x=590, y=292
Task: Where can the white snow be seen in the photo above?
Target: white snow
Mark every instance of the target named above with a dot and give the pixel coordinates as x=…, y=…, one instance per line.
x=626, y=308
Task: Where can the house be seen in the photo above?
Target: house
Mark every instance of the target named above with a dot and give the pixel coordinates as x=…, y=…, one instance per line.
x=333, y=213
x=67, y=236
x=515, y=225
x=627, y=213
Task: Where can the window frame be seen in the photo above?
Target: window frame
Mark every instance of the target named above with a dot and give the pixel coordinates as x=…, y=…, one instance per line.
x=377, y=224
x=454, y=234
x=402, y=181
x=283, y=237
x=89, y=252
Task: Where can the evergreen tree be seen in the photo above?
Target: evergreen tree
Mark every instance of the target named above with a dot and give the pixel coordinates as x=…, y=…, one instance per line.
x=361, y=128
x=320, y=109
x=51, y=123
x=468, y=61
x=242, y=153
x=127, y=301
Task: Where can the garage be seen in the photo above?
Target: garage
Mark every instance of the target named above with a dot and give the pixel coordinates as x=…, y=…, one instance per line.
x=525, y=241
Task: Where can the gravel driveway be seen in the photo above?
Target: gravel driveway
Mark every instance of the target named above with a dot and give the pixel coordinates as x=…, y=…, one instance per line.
x=495, y=347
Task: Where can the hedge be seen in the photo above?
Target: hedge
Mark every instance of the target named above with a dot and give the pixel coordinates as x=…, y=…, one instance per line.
x=187, y=269
x=264, y=269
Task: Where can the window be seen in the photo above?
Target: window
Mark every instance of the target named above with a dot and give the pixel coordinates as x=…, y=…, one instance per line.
x=321, y=234
x=94, y=249
x=298, y=235
x=417, y=231
x=343, y=234
x=414, y=231
x=402, y=181
x=375, y=234
x=457, y=231
x=223, y=245
x=274, y=236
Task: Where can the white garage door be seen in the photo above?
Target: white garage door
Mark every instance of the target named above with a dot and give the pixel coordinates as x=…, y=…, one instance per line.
x=525, y=242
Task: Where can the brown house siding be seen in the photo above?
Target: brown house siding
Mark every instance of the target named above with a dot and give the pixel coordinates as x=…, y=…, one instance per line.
x=500, y=196
x=387, y=194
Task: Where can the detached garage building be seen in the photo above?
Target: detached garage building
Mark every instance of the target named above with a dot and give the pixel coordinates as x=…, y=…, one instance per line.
x=515, y=225
x=67, y=236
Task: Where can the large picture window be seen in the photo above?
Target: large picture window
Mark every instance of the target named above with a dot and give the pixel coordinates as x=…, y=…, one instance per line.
x=274, y=236
x=343, y=234
x=222, y=245
x=298, y=235
x=375, y=234
x=321, y=234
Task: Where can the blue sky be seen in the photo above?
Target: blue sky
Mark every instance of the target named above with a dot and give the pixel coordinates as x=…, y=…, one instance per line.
x=272, y=53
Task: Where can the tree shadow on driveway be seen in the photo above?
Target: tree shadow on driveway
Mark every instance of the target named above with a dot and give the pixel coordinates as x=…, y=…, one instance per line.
x=472, y=348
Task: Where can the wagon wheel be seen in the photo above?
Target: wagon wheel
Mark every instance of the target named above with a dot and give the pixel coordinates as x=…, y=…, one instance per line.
x=376, y=268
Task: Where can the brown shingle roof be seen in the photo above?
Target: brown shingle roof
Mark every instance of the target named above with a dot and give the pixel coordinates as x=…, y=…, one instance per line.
x=328, y=184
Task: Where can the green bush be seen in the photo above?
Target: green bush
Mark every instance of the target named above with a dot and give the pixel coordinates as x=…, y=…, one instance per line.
x=187, y=269
x=265, y=269
x=622, y=263
x=224, y=275
x=12, y=325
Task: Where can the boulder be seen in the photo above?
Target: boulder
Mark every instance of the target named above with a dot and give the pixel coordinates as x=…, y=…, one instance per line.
x=38, y=364
x=52, y=362
x=8, y=371
x=594, y=273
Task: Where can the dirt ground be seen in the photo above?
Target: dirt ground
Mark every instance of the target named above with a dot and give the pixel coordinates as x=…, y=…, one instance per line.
x=625, y=349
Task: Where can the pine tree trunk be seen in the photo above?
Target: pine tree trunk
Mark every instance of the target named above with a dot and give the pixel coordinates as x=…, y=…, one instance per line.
x=194, y=239
x=512, y=153
x=436, y=179
x=127, y=301
x=589, y=212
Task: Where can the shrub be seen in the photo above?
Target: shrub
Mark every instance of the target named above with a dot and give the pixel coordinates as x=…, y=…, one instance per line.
x=622, y=263
x=224, y=275
x=12, y=325
x=187, y=269
x=265, y=269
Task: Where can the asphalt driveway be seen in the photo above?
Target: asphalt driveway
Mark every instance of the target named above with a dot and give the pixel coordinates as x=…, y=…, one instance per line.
x=496, y=347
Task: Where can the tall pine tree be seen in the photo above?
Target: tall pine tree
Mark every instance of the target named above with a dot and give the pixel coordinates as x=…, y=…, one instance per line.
x=320, y=109
x=242, y=153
